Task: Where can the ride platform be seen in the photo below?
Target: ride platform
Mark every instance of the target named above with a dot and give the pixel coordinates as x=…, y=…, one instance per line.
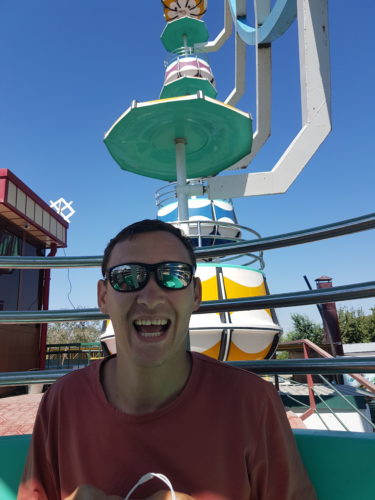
x=192, y=30
x=143, y=139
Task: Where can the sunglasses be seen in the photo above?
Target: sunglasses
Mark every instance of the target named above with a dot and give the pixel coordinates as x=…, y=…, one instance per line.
x=135, y=275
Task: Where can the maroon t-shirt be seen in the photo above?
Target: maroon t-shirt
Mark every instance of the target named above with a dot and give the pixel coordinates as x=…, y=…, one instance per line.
x=226, y=434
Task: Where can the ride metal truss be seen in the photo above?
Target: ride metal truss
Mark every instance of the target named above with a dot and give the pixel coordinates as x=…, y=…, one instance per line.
x=352, y=365
x=312, y=19
x=348, y=226
x=346, y=292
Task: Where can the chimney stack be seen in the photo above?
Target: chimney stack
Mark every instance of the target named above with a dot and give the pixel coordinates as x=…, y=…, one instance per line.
x=332, y=332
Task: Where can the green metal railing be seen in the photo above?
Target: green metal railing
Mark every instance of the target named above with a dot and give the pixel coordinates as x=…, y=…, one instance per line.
x=73, y=355
x=348, y=226
x=263, y=367
x=310, y=366
x=345, y=292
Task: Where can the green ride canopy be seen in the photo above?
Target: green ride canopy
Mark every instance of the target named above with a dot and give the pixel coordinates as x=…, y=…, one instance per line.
x=217, y=135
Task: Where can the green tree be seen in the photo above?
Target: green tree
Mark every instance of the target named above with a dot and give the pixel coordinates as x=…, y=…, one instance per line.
x=73, y=332
x=356, y=326
x=304, y=328
x=371, y=325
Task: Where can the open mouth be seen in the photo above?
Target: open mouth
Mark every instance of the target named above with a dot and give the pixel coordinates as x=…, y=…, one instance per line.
x=151, y=329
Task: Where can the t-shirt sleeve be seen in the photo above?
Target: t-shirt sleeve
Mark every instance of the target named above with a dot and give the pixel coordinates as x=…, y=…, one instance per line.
x=39, y=480
x=276, y=468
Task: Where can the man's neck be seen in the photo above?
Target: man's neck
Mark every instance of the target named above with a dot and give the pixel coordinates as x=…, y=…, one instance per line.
x=140, y=390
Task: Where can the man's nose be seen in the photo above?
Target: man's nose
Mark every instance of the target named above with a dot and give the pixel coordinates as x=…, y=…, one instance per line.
x=151, y=295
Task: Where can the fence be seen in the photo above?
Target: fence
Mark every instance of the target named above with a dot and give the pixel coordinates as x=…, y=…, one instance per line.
x=275, y=367
x=72, y=356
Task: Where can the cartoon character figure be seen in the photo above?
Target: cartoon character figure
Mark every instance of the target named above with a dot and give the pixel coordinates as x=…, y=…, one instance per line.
x=175, y=9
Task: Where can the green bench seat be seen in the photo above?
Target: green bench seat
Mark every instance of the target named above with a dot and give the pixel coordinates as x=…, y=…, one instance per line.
x=340, y=464
x=13, y=451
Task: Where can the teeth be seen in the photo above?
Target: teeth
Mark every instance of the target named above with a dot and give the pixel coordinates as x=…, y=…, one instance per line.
x=151, y=334
x=148, y=322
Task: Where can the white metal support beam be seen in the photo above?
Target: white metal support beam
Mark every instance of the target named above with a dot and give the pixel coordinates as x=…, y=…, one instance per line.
x=240, y=49
x=316, y=119
x=241, y=8
x=239, y=71
x=239, y=58
x=263, y=87
x=222, y=37
x=183, y=208
x=280, y=18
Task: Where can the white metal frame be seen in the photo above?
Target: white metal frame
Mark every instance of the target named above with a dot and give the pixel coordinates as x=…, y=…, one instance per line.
x=315, y=102
x=263, y=82
x=222, y=37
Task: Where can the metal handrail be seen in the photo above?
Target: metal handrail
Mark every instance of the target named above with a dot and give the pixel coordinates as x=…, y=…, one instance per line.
x=195, y=232
x=165, y=193
x=317, y=233
x=319, y=296
x=168, y=191
x=308, y=366
x=50, y=262
x=184, y=52
x=313, y=410
x=31, y=377
x=220, y=225
x=263, y=367
x=331, y=386
x=313, y=393
x=334, y=294
x=306, y=343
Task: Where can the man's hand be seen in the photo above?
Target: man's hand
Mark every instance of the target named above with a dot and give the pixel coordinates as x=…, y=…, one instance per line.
x=167, y=495
x=87, y=492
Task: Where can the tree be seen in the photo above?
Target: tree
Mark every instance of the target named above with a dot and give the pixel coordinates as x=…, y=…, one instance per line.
x=355, y=327
x=74, y=332
x=304, y=328
x=371, y=325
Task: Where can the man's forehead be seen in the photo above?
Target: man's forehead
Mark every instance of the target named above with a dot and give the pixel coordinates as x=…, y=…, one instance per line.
x=151, y=246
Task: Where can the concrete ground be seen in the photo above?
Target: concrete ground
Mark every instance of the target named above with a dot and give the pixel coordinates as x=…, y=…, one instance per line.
x=17, y=414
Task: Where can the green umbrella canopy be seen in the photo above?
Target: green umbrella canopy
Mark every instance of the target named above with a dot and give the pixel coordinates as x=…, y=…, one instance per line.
x=188, y=85
x=217, y=135
x=195, y=31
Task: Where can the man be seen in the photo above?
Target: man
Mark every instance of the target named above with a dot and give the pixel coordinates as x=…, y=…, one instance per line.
x=214, y=431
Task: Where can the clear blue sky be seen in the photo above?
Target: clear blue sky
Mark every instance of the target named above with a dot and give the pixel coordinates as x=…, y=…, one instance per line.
x=69, y=69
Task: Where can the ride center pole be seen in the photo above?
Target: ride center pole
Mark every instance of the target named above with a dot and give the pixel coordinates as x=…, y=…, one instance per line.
x=182, y=199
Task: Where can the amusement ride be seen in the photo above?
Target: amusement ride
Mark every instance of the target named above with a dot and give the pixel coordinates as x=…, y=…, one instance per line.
x=188, y=138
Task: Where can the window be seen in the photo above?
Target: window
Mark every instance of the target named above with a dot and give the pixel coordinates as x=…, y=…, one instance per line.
x=10, y=244
x=20, y=289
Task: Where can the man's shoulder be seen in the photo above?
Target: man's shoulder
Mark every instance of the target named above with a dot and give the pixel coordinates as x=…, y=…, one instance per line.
x=75, y=381
x=223, y=371
x=241, y=390
x=81, y=374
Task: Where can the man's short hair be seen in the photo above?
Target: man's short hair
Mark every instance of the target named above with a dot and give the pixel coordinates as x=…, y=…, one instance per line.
x=147, y=226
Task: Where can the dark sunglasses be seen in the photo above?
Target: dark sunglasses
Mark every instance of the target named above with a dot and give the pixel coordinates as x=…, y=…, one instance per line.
x=134, y=276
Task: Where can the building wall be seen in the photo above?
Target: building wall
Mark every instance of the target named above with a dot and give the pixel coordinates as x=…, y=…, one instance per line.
x=20, y=289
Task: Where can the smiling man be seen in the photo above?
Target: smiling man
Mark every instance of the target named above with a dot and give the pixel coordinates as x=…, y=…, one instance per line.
x=214, y=431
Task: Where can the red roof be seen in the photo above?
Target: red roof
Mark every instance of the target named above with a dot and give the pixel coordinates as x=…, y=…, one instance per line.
x=23, y=208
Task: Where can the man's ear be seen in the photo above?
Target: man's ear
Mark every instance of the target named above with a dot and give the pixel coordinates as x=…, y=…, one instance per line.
x=197, y=293
x=102, y=296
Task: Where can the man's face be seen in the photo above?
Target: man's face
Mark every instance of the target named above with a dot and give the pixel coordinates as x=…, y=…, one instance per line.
x=150, y=324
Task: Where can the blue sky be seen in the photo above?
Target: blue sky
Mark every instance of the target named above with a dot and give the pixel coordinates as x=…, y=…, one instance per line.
x=69, y=69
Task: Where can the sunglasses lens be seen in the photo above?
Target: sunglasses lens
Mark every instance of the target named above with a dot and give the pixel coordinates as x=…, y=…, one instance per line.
x=174, y=275
x=132, y=277
x=128, y=277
